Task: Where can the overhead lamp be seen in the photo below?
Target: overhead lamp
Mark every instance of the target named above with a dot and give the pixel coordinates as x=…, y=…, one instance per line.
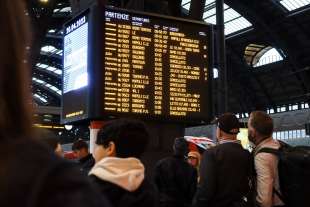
x=44, y=1
x=68, y=127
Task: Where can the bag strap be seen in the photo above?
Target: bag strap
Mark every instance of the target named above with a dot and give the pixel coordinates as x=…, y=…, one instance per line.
x=278, y=194
x=269, y=150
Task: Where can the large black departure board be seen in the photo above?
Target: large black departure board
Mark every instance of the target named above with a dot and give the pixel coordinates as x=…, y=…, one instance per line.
x=149, y=66
x=155, y=66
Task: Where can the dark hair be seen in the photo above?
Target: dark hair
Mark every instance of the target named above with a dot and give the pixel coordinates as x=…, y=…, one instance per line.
x=262, y=123
x=15, y=102
x=47, y=137
x=79, y=144
x=129, y=136
x=180, y=146
x=51, y=142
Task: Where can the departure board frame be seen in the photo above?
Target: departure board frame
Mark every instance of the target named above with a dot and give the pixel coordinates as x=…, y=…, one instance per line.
x=96, y=93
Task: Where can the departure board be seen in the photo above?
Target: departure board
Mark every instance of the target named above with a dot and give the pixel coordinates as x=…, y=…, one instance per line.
x=155, y=66
x=120, y=63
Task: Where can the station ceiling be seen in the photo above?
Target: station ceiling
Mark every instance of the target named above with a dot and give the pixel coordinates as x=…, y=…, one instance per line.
x=267, y=47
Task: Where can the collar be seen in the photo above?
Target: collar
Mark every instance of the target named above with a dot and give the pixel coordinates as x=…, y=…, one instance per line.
x=84, y=159
x=223, y=141
x=264, y=142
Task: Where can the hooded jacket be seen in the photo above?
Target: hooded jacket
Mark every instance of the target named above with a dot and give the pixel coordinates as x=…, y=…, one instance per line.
x=122, y=181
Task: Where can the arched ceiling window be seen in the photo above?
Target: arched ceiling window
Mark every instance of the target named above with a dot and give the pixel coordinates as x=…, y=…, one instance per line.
x=234, y=22
x=258, y=55
x=292, y=5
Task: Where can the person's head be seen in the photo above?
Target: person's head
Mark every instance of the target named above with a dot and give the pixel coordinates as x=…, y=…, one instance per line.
x=121, y=138
x=54, y=144
x=180, y=147
x=80, y=149
x=260, y=127
x=15, y=102
x=227, y=127
x=50, y=140
x=193, y=158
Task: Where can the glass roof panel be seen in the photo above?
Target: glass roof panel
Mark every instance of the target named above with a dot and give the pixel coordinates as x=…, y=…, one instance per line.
x=230, y=14
x=59, y=52
x=49, y=68
x=65, y=9
x=292, y=5
x=51, y=31
x=48, y=48
x=47, y=85
x=209, y=2
x=234, y=22
x=211, y=20
x=40, y=98
x=41, y=65
x=59, y=72
x=38, y=81
x=185, y=1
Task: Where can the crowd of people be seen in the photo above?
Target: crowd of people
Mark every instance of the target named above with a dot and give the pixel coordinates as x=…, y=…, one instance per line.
x=33, y=175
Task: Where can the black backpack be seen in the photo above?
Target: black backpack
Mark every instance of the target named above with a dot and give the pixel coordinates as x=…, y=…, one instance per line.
x=294, y=174
x=248, y=198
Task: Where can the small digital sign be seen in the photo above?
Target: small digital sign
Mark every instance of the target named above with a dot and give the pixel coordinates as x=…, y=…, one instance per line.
x=75, y=55
x=75, y=70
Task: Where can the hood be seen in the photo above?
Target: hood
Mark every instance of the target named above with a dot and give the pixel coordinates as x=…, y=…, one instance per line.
x=127, y=173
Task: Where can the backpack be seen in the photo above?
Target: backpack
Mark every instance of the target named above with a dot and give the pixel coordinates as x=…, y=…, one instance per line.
x=248, y=199
x=294, y=174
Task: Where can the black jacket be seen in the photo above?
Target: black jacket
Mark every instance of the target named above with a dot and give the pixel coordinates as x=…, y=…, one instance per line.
x=223, y=176
x=32, y=176
x=86, y=163
x=144, y=196
x=176, y=181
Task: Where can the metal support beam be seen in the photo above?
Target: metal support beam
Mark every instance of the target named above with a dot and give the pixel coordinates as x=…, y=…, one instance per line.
x=80, y=5
x=174, y=8
x=47, y=110
x=221, y=52
x=279, y=40
x=238, y=74
x=196, y=9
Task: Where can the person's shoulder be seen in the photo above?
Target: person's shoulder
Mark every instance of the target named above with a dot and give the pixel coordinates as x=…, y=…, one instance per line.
x=210, y=151
x=64, y=179
x=107, y=188
x=164, y=161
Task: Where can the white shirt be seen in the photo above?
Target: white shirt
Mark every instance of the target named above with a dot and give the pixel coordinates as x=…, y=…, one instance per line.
x=266, y=166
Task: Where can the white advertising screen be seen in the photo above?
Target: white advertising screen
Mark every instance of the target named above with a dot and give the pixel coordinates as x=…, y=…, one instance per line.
x=75, y=56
